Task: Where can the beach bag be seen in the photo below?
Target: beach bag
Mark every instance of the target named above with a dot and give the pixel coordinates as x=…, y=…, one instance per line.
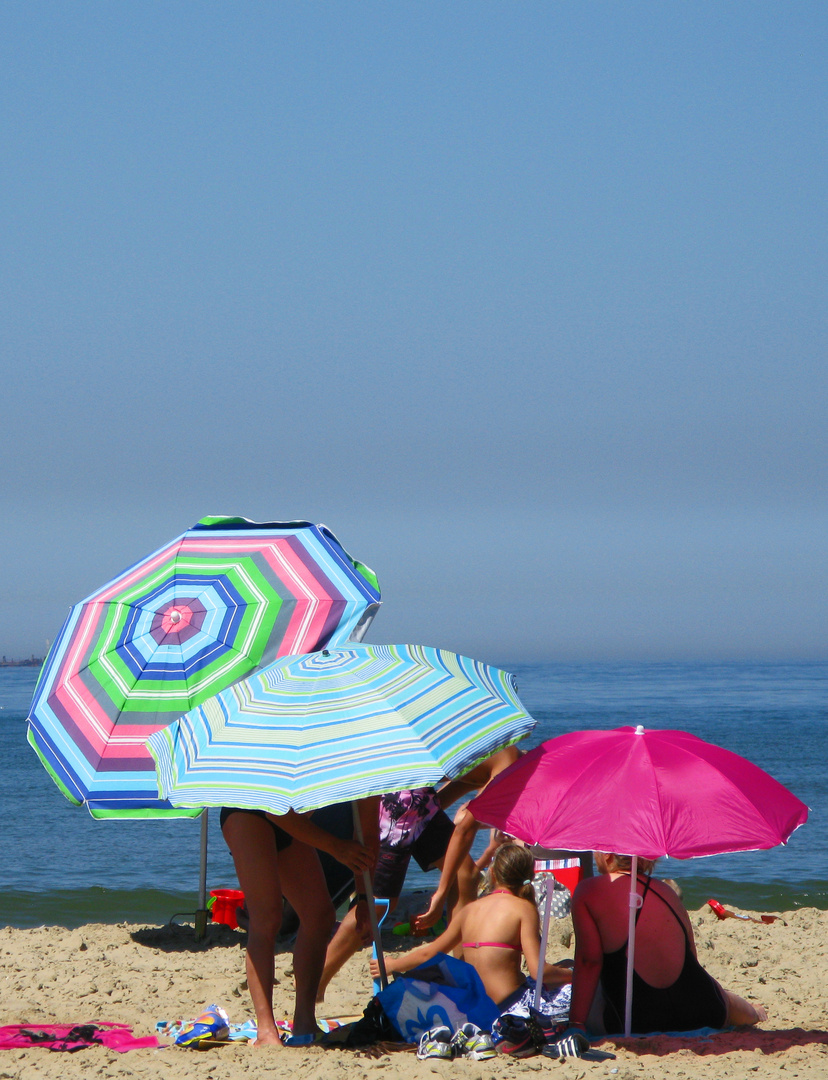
x=560, y=896
x=371, y=1028
x=441, y=992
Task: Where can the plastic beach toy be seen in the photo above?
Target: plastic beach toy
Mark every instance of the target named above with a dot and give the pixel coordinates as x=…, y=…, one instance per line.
x=405, y=929
x=725, y=913
x=213, y=1025
x=224, y=906
x=384, y=906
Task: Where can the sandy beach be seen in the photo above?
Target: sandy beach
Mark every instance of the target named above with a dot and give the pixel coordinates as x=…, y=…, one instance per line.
x=139, y=975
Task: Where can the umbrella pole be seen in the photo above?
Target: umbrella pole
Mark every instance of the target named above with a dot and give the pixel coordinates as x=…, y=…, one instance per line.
x=635, y=904
x=547, y=915
x=372, y=908
x=201, y=914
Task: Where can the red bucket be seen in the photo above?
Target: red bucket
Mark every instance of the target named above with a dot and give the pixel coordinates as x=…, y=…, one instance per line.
x=225, y=906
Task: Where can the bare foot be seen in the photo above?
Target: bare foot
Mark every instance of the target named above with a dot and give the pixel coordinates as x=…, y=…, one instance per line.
x=743, y=1013
x=268, y=1037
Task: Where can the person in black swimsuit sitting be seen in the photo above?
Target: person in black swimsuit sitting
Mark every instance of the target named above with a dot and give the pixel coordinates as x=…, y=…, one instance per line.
x=671, y=990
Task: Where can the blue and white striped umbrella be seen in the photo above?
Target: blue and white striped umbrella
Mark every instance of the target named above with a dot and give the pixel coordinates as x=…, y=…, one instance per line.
x=339, y=725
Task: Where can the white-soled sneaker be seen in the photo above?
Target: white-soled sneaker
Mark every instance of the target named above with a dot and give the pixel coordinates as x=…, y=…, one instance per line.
x=470, y=1042
x=435, y=1043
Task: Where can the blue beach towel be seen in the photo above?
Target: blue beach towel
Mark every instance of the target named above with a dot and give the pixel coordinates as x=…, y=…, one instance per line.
x=443, y=991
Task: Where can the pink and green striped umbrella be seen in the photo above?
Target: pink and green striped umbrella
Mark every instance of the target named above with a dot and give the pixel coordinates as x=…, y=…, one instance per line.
x=226, y=598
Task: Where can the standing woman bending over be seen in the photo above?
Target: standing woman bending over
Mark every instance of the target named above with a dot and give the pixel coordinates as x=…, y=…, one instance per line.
x=671, y=990
x=496, y=932
x=275, y=857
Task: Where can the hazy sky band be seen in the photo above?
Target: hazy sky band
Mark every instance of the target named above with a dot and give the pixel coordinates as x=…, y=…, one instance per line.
x=526, y=303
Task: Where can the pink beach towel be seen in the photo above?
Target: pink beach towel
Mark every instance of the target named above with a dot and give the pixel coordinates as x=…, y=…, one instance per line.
x=74, y=1037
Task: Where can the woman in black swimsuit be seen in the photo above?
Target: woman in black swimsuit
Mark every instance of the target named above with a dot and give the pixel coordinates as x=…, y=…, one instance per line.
x=671, y=990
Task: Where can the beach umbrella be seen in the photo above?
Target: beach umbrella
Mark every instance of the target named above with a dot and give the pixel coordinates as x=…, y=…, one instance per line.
x=218, y=602
x=339, y=725
x=225, y=598
x=640, y=793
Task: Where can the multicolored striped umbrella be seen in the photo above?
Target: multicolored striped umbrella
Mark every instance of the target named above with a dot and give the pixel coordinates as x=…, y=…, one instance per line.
x=219, y=602
x=339, y=725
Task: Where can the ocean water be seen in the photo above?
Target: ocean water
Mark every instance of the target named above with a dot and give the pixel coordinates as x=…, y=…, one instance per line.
x=62, y=867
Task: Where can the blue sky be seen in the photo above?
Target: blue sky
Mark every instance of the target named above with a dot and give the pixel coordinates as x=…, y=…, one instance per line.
x=525, y=301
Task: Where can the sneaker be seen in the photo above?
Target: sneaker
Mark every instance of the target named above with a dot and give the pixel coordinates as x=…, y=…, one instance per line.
x=470, y=1042
x=514, y=1037
x=435, y=1043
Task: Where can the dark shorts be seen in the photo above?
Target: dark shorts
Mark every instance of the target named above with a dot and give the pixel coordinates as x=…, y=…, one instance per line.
x=429, y=847
x=283, y=839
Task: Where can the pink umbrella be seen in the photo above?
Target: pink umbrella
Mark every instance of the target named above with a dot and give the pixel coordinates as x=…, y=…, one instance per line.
x=639, y=793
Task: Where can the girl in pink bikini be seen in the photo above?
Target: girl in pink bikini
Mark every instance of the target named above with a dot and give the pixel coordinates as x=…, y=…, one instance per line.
x=496, y=932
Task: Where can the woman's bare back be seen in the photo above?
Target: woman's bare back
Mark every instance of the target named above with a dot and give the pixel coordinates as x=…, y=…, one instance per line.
x=659, y=940
x=492, y=931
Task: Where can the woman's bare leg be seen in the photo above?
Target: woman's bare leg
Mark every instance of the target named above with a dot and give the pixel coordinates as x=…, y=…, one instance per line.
x=253, y=847
x=742, y=1013
x=304, y=885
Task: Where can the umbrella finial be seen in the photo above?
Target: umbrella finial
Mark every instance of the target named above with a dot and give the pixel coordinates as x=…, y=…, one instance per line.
x=639, y=729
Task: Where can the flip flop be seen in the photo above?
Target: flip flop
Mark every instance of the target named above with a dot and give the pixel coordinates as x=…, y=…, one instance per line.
x=303, y=1040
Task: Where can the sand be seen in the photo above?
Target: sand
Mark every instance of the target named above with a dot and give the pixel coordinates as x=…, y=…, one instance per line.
x=139, y=974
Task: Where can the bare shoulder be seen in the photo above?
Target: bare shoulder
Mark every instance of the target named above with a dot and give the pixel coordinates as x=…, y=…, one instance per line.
x=527, y=906
x=528, y=915
x=590, y=886
x=593, y=896
x=671, y=898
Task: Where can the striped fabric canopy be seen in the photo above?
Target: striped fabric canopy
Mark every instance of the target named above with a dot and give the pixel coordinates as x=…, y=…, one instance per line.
x=360, y=720
x=219, y=602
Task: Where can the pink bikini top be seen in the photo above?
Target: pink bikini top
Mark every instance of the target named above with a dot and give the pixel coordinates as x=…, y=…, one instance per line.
x=493, y=944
